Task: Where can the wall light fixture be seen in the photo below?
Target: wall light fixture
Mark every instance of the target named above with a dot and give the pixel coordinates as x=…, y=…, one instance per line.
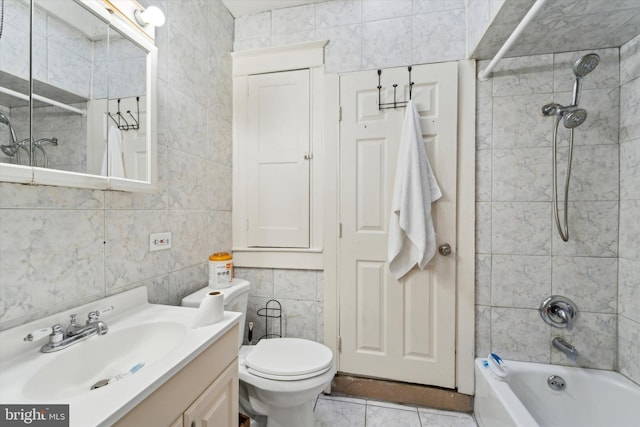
x=152, y=15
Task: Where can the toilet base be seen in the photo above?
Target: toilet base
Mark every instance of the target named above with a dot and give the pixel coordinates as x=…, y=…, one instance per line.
x=300, y=415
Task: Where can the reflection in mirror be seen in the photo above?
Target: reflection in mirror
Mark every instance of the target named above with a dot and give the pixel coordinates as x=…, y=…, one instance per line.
x=117, y=113
x=85, y=72
x=14, y=81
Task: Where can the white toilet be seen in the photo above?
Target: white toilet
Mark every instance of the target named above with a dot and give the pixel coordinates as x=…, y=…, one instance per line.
x=279, y=377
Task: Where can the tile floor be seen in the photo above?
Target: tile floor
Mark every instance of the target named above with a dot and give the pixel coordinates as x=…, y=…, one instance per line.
x=335, y=411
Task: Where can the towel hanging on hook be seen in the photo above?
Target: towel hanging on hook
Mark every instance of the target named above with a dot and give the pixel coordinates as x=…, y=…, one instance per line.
x=395, y=103
x=122, y=122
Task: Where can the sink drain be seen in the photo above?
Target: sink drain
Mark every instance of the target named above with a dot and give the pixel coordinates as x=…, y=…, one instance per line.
x=556, y=382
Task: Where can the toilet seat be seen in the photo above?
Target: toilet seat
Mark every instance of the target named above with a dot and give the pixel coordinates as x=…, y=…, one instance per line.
x=288, y=359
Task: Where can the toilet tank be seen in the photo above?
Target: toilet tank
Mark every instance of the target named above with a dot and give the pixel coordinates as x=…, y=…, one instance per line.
x=235, y=297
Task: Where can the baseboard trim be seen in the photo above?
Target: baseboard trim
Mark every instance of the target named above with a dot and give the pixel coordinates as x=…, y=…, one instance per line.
x=399, y=392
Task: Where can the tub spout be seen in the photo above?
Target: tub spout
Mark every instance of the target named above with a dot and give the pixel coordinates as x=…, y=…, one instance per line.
x=569, y=350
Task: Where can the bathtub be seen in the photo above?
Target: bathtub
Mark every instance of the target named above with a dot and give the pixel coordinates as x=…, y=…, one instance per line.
x=591, y=398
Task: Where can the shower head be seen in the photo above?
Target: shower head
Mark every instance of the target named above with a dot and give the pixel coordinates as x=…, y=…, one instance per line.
x=5, y=121
x=581, y=68
x=9, y=150
x=586, y=64
x=573, y=119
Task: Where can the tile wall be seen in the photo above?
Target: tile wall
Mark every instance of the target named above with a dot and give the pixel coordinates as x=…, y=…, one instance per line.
x=61, y=247
x=629, y=261
x=520, y=258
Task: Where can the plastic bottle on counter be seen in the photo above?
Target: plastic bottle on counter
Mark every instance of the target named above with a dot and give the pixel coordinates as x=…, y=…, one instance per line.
x=220, y=270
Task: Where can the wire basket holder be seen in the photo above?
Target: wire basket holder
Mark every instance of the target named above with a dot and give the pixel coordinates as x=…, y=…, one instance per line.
x=272, y=310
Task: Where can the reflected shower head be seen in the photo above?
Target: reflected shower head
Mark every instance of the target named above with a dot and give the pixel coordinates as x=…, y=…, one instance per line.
x=9, y=150
x=586, y=64
x=5, y=120
x=573, y=119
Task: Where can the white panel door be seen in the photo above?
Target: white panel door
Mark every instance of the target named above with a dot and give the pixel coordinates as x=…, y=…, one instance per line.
x=401, y=330
x=278, y=160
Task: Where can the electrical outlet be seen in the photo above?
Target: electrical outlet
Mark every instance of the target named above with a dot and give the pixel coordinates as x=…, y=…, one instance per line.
x=159, y=241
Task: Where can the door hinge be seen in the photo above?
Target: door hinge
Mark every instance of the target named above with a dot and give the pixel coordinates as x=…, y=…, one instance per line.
x=340, y=230
x=339, y=345
x=340, y=113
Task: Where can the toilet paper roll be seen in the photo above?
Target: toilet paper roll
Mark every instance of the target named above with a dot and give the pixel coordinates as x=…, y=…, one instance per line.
x=211, y=310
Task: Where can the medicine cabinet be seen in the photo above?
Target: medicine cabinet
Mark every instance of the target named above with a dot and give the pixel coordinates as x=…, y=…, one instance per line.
x=77, y=95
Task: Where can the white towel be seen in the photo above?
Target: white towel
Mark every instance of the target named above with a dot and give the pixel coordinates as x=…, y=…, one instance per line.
x=112, y=164
x=412, y=239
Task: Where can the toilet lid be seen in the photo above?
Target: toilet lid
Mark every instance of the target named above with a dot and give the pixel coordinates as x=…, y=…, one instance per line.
x=288, y=359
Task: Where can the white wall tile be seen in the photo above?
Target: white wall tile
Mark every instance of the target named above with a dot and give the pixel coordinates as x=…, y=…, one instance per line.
x=629, y=289
x=521, y=228
x=253, y=26
x=293, y=20
x=629, y=229
x=593, y=230
x=448, y=28
x=523, y=75
x=483, y=279
x=344, y=51
x=594, y=173
x=630, y=111
x=590, y=282
x=629, y=177
x=629, y=348
x=519, y=334
x=517, y=122
x=483, y=227
x=483, y=176
x=630, y=60
x=385, y=43
x=376, y=10
x=520, y=281
x=484, y=123
x=338, y=13
x=521, y=174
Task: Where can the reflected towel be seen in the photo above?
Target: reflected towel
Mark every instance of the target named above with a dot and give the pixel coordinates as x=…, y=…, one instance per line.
x=112, y=164
x=412, y=238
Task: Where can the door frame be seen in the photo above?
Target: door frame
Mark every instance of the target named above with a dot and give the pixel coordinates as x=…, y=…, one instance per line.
x=464, y=248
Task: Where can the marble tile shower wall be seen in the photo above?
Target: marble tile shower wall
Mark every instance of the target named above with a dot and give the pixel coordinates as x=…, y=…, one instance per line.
x=520, y=258
x=61, y=247
x=629, y=256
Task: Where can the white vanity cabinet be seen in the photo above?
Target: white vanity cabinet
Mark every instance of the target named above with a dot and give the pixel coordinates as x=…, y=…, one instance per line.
x=202, y=394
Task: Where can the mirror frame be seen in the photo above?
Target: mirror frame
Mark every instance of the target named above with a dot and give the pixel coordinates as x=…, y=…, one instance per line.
x=120, y=19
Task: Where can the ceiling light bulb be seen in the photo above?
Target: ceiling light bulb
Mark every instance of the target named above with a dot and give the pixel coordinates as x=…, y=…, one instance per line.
x=152, y=15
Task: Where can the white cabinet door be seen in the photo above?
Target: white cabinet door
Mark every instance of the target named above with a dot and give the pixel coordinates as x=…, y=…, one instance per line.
x=218, y=405
x=278, y=160
x=402, y=330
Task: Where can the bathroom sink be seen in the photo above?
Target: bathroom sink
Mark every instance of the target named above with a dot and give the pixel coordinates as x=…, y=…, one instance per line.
x=74, y=370
x=161, y=337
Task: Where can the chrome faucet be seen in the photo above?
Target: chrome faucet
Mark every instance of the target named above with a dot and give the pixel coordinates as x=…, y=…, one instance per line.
x=559, y=312
x=569, y=350
x=60, y=339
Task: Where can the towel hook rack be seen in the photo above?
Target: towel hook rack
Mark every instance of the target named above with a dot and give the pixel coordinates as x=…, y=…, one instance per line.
x=122, y=122
x=395, y=103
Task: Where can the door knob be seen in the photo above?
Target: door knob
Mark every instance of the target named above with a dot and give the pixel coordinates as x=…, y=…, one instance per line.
x=444, y=249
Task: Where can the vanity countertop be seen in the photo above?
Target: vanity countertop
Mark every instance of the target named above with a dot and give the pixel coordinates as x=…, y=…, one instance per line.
x=28, y=376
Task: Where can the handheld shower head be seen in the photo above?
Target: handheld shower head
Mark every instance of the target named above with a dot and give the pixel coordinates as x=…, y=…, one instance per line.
x=586, y=64
x=5, y=121
x=581, y=68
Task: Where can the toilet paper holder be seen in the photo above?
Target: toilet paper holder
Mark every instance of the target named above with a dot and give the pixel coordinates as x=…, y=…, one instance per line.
x=271, y=311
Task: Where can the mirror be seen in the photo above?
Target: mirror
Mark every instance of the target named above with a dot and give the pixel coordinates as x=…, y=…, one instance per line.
x=88, y=120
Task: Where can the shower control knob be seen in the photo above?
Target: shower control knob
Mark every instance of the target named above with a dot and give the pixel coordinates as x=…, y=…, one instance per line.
x=444, y=249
